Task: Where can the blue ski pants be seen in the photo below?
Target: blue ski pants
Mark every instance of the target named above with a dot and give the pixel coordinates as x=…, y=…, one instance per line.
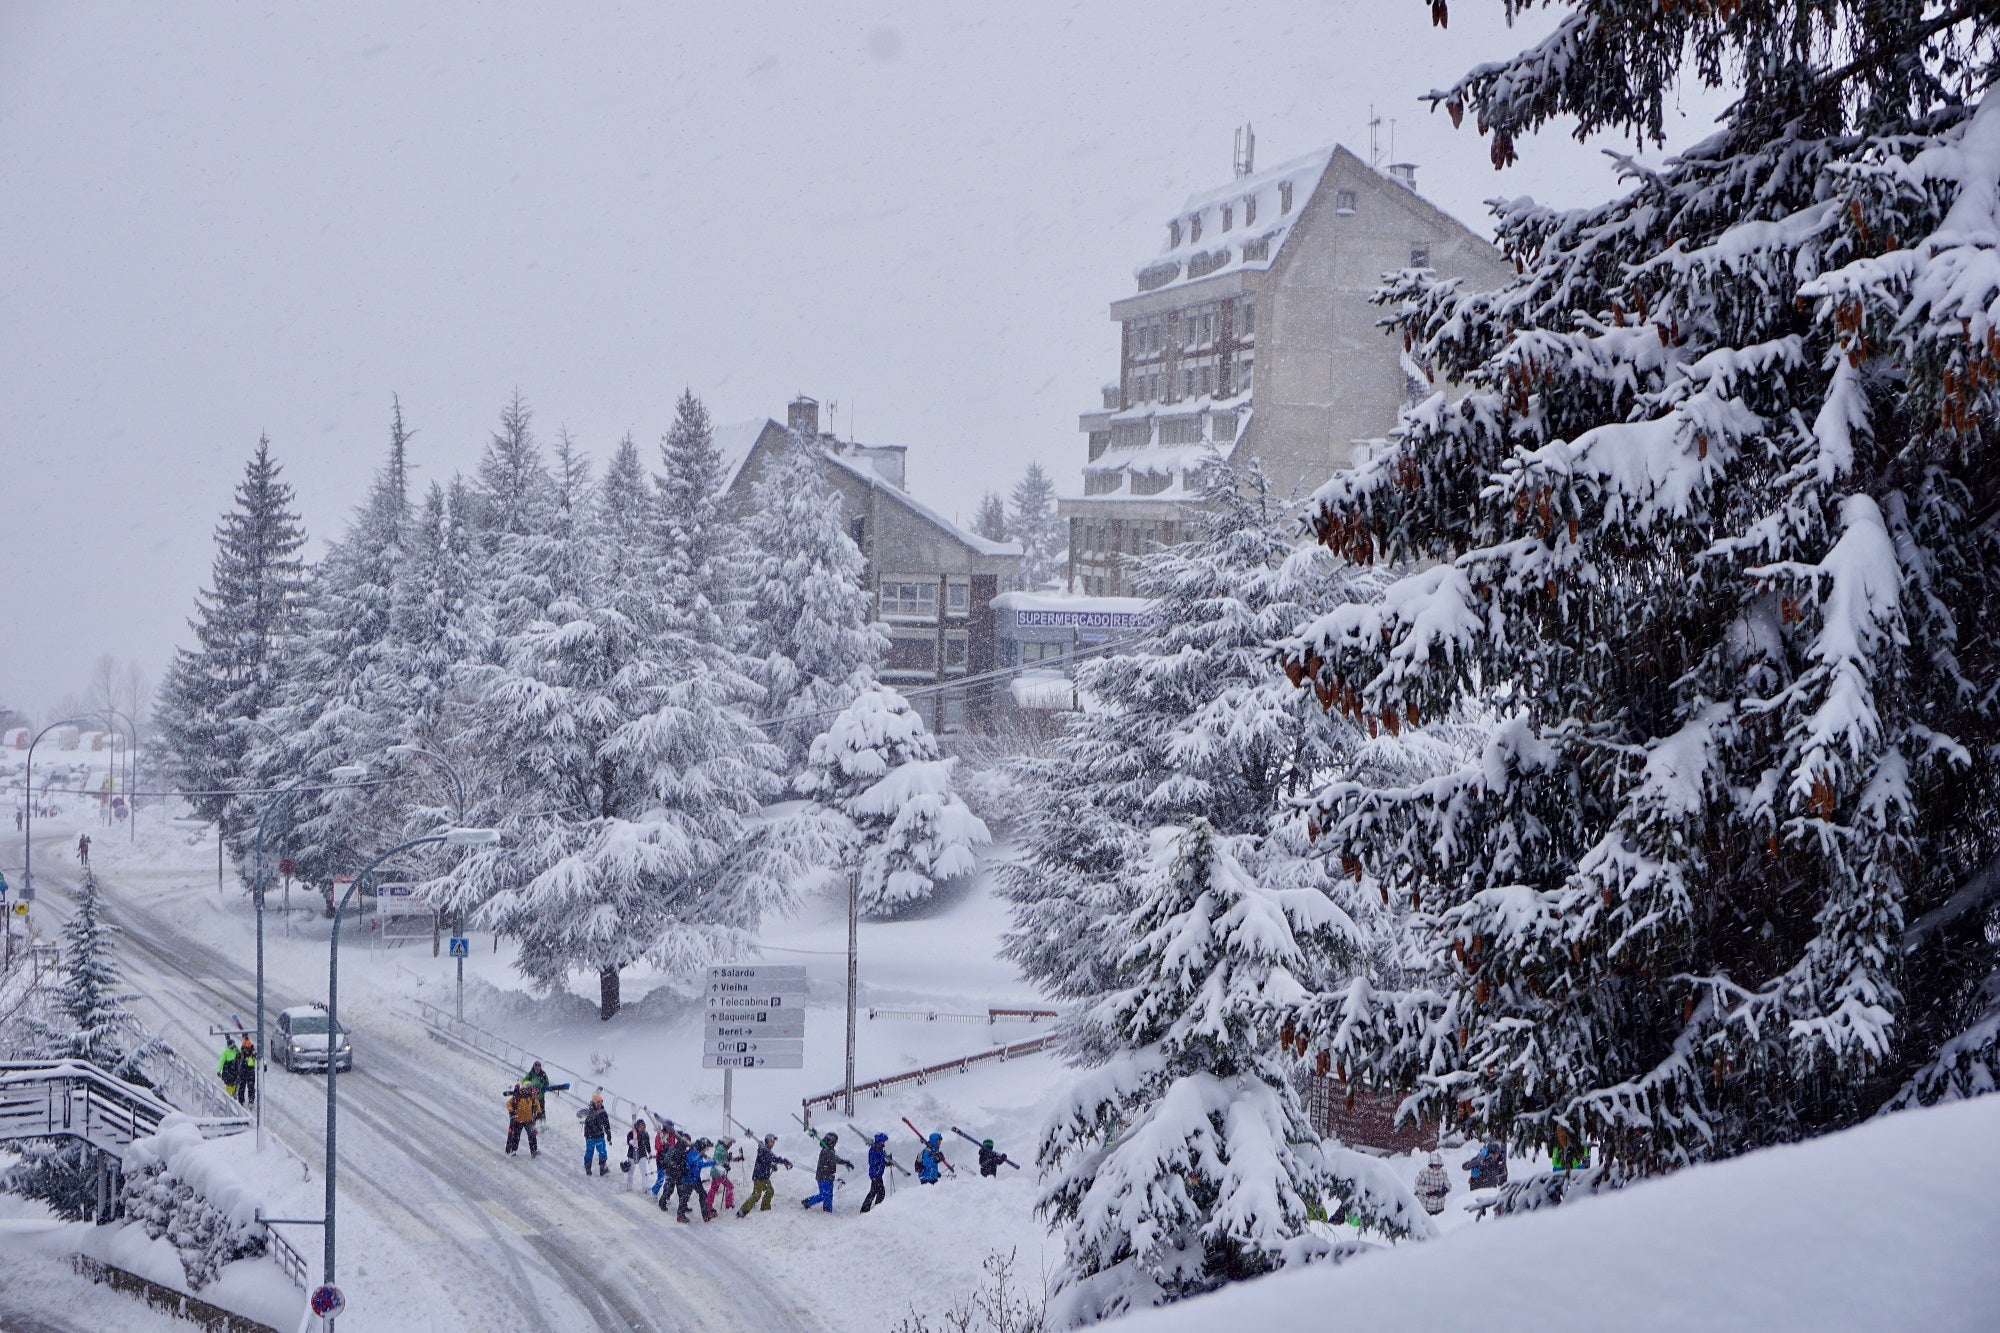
x=595, y=1148
x=824, y=1198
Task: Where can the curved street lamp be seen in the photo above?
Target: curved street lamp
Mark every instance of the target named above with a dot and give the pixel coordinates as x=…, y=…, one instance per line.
x=454, y=837
x=131, y=769
x=28, y=847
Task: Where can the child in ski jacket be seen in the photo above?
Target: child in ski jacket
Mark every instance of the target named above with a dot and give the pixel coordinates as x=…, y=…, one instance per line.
x=760, y=1176
x=1487, y=1168
x=596, y=1135
x=930, y=1160
x=693, y=1164
x=1433, y=1185
x=718, y=1178
x=990, y=1158
x=666, y=1159
x=878, y=1167
x=521, y=1116
x=829, y=1162
x=537, y=1081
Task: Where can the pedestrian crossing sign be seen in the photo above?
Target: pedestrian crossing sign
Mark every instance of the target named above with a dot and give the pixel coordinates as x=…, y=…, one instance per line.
x=461, y=947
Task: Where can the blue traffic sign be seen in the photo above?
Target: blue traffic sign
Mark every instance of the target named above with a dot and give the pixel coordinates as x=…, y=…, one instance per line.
x=461, y=947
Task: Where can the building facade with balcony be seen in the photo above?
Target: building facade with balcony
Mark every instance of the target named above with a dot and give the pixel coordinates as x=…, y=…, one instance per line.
x=930, y=582
x=1252, y=334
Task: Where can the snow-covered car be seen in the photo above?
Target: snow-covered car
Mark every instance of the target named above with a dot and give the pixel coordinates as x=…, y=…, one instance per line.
x=302, y=1040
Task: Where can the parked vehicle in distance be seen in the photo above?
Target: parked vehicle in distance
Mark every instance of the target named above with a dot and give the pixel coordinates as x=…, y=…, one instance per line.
x=303, y=1040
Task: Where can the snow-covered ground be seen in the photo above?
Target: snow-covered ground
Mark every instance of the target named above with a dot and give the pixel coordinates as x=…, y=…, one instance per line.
x=1892, y=1225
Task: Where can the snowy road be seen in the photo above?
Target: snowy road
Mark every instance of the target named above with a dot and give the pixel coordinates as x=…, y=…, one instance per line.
x=420, y=1158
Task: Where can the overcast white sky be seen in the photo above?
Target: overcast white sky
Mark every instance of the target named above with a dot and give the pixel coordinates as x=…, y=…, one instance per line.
x=220, y=221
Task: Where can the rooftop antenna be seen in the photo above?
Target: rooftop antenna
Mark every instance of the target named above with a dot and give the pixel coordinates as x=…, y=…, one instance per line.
x=1246, y=149
x=1374, y=137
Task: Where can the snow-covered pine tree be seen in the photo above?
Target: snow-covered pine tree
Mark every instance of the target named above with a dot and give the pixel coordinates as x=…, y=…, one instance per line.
x=991, y=520
x=1713, y=529
x=514, y=487
x=693, y=535
x=630, y=773
x=809, y=640
x=880, y=767
x=1032, y=521
x=91, y=1023
x=345, y=678
x=1187, y=721
x=442, y=623
x=236, y=668
x=1183, y=1159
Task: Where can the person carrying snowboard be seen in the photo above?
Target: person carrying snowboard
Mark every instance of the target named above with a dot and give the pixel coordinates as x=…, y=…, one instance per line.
x=1433, y=1185
x=878, y=1167
x=693, y=1164
x=824, y=1173
x=718, y=1178
x=930, y=1160
x=536, y=1080
x=760, y=1176
x=521, y=1116
x=230, y=1066
x=990, y=1158
x=597, y=1135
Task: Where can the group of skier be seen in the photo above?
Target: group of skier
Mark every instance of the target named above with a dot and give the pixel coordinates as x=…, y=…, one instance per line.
x=691, y=1171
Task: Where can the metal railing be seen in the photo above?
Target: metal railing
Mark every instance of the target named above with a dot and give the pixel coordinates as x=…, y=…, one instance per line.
x=990, y=1017
x=876, y=1086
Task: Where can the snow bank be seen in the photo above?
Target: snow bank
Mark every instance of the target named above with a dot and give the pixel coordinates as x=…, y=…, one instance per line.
x=1891, y=1225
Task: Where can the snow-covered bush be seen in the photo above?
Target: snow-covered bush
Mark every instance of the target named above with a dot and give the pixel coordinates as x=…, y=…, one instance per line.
x=1712, y=533
x=182, y=1188
x=1183, y=1158
x=880, y=768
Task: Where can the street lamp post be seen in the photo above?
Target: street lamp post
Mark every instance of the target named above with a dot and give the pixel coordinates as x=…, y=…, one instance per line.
x=458, y=918
x=282, y=797
x=456, y=837
x=131, y=771
x=28, y=847
x=853, y=975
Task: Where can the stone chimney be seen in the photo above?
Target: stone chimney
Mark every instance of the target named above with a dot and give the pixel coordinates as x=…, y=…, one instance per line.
x=802, y=416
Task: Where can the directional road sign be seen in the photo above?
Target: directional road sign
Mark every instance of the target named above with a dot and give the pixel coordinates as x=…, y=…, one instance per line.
x=759, y=1046
x=754, y=1061
x=771, y=1023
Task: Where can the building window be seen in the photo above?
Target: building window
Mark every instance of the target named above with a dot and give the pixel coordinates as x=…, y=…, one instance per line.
x=1246, y=374
x=1174, y=234
x=1420, y=256
x=1194, y=228
x=1228, y=216
x=912, y=652
x=958, y=596
x=1343, y=202
x=857, y=528
x=955, y=647
x=1250, y=210
x=1247, y=320
x=1284, y=196
x=909, y=597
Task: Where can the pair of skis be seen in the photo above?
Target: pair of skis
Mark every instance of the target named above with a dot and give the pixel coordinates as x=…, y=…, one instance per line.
x=978, y=1144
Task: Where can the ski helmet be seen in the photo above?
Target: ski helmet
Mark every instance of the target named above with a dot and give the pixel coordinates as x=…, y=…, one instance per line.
x=986, y=1143
x=833, y=1138
x=770, y=1139
x=937, y=1139
x=881, y=1138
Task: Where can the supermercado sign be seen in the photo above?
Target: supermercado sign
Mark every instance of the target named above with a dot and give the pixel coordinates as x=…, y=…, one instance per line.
x=1079, y=619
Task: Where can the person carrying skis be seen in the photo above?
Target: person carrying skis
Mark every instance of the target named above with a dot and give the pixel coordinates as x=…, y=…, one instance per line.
x=930, y=1160
x=990, y=1158
x=693, y=1164
x=666, y=1158
x=760, y=1176
x=638, y=1146
x=718, y=1178
x=230, y=1067
x=596, y=1135
x=521, y=1116
x=246, y=1072
x=83, y=848
x=1487, y=1168
x=878, y=1166
x=1433, y=1185
x=824, y=1173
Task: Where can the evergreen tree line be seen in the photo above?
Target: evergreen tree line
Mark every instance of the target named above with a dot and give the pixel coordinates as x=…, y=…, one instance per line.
x=1028, y=516
x=625, y=673
x=1613, y=766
